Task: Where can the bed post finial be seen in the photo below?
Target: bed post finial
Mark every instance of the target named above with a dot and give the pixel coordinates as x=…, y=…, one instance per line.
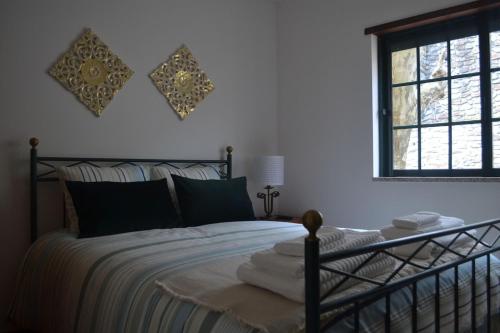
x=229, y=159
x=312, y=221
x=34, y=142
x=33, y=189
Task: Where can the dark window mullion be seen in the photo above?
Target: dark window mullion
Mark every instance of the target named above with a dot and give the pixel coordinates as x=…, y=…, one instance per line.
x=386, y=111
x=494, y=166
x=484, y=54
x=400, y=127
x=453, y=123
x=444, y=78
x=466, y=122
x=461, y=76
x=450, y=131
x=404, y=84
x=419, y=112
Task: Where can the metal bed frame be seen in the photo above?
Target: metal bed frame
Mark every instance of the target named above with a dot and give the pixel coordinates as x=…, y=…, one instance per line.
x=50, y=164
x=314, y=262
x=312, y=220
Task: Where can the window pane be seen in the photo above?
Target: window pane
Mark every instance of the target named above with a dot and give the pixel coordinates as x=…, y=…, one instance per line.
x=435, y=147
x=433, y=61
x=404, y=105
x=464, y=55
x=404, y=66
x=466, y=99
x=495, y=94
x=467, y=147
x=434, y=102
x=496, y=144
x=405, y=149
x=495, y=49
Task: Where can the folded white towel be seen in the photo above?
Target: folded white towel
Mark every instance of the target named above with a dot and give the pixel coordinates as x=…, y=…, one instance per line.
x=462, y=239
x=426, y=212
x=429, y=249
x=295, y=247
x=294, y=288
x=407, y=250
x=272, y=261
x=445, y=222
x=417, y=220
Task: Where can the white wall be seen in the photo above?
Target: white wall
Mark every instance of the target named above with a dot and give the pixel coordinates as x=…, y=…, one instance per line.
x=234, y=41
x=325, y=102
x=325, y=119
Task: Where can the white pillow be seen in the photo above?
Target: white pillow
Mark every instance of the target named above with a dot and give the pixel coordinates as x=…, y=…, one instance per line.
x=87, y=173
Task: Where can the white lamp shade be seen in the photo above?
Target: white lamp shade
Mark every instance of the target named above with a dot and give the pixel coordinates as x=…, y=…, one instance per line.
x=270, y=170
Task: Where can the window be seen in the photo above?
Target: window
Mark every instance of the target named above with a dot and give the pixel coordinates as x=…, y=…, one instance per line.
x=440, y=99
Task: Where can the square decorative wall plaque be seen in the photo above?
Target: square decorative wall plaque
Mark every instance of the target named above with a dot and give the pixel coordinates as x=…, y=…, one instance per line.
x=182, y=82
x=91, y=71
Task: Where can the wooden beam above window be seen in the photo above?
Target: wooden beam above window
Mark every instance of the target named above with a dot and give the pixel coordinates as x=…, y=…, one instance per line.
x=433, y=17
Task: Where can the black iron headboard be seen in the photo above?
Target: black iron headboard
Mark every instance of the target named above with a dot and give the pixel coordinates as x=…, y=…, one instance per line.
x=222, y=166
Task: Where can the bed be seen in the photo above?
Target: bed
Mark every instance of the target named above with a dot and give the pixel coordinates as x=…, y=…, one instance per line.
x=125, y=282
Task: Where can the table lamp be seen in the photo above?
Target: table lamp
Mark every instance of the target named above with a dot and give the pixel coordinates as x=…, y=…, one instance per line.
x=270, y=171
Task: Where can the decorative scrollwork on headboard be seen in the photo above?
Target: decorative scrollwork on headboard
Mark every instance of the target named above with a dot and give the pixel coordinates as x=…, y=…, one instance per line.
x=44, y=169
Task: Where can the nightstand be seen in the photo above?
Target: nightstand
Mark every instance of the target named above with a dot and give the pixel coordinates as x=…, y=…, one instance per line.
x=281, y=218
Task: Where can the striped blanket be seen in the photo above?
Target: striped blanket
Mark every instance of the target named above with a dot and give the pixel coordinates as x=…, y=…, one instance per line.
x=107, y=284
x=372, y=318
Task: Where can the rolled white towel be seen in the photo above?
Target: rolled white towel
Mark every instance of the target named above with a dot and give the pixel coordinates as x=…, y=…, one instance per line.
x=272, y=261
x=294, y=288
x=295, y=247
x=417, y=220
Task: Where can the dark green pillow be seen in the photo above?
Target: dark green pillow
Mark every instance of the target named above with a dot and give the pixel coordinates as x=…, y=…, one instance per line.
x=211, y=201
x=107, y=208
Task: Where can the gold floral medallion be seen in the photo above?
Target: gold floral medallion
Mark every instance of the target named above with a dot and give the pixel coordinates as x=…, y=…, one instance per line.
x=182, y=82
x=91, y=71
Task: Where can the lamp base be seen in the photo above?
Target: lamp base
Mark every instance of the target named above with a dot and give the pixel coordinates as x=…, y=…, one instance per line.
x=268, y=199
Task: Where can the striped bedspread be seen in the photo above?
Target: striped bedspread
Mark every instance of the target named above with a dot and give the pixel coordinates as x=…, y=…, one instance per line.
x=107, y=284
x=372, y=318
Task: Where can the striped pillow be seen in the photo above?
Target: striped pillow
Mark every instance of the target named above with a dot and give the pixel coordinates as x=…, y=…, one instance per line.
x=165, y=172
x=87, y=173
